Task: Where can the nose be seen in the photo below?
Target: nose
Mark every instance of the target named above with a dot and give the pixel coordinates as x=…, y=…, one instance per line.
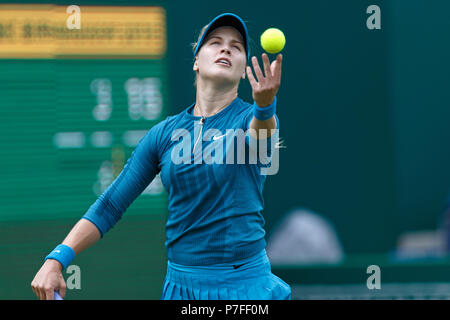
x=225, y=50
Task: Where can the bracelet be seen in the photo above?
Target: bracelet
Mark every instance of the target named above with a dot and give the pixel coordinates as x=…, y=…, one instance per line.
x=62, y=253
x=266, y=112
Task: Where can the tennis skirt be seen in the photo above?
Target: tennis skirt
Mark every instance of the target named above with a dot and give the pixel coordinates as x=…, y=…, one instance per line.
x=250, y=279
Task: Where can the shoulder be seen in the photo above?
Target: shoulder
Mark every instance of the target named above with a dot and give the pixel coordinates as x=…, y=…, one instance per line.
x=159, y=135
x=242, y=112
x=165, y=125
x=243, y=107
x=159, y=130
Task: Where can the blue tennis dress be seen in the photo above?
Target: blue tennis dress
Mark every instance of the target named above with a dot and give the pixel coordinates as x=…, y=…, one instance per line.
x=213, y=175
x=249, y=279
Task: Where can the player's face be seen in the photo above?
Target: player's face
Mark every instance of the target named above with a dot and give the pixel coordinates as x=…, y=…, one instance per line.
x=222, y=58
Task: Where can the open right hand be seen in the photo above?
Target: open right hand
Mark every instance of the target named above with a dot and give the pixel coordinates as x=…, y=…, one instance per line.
x=49, y=279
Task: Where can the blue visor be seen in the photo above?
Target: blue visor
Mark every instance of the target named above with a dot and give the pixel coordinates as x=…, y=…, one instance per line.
x=225, y=19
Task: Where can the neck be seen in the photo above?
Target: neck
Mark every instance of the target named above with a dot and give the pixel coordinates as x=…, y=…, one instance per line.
x=213, y=99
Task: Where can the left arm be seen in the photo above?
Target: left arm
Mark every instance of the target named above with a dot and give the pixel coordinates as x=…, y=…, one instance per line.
x=264, y=90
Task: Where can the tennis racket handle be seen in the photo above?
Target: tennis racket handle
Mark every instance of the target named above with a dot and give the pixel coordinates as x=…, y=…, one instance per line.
x=57, y=296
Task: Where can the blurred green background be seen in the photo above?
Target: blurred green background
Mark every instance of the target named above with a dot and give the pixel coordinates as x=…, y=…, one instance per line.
x=364, y=115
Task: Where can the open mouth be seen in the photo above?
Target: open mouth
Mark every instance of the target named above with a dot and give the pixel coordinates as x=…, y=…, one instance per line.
x=224, y=62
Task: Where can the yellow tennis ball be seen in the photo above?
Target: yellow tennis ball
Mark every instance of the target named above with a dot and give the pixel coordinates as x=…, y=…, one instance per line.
x=273, y=40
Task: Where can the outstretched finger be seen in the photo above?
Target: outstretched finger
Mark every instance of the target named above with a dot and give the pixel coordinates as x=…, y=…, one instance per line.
x=276, y=67
x=266, y=64
x=251, y=78
x=258, y=72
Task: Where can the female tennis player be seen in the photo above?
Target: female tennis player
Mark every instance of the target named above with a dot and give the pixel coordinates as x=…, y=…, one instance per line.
x=214, y=232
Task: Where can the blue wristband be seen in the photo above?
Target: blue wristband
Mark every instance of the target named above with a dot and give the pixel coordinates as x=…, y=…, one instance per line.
x=62, y=253
x=266, y=112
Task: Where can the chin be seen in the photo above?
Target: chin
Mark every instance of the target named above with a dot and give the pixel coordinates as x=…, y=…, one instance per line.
x=224, y=77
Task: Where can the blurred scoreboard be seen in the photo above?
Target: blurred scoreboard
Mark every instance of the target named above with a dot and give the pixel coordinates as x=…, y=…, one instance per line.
x=74, y=103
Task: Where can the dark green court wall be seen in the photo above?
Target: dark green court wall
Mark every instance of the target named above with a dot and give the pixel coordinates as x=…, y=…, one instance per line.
x=419, y=102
